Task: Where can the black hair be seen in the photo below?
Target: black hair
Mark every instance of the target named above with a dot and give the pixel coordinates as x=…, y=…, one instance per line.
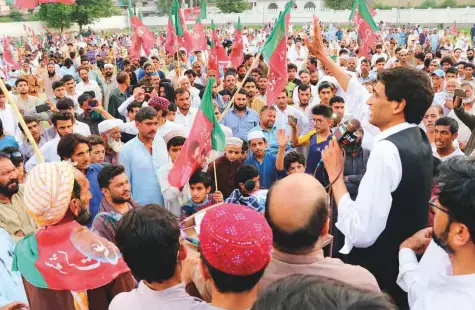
x=291, y=66
x=227, y=283
x=134, y=104
x=172, y=107
x=145, y=113
x=190, y=71
x=11, y=151
x=245, y=146
x=180, y=91
x=95, y=140
x=293, y=157
x=169, y=91
x=309, y=292
x=448, y=60
x=438, y=53
x=67, y=78
x=175, y=141
x=457, y=190
x=145, y=66
x=68, y=143
x=324, y=110
x=418, y=92
x=245, y=172
x=469, y=65
x=61, y=116
x=336, y=99
x=84, y=97
x=452, y=70
x=380, y=59
x=448, y=121
x=301, y=88
x=420, y=56
x=249, y=79
x=18, y=81
x=324, y=85
x=108, y=173
x=267, y=107
x=57, y=84
x=28, y=119
x=148, y=238
x=65, y=104
x=241, y=91
x=200, y=177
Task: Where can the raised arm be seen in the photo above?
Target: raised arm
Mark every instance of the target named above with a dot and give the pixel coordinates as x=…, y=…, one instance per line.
x=467, y=118
x=282, y=140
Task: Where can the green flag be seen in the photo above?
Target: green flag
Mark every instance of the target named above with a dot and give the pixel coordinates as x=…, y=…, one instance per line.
x=364, y=12
x=176, y=18
x=203, y=9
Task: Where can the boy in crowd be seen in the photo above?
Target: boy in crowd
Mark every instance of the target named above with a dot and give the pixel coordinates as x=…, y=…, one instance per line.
x=244, y=151
x=294, y=163
x=246, y=185
x=269, y=165
x=227, y=166
x=200, y=187
x=97, y=149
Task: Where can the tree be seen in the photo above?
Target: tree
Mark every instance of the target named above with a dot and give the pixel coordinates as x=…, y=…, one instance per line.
x=232, y=6
x=339, y=4
x=83, y=12
x=57, y=15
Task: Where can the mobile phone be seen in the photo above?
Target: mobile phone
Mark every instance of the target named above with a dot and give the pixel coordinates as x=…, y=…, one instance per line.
x=292, y=120
x=92, y=103
x=460, y=93
x=42, y=108
x=148, y=89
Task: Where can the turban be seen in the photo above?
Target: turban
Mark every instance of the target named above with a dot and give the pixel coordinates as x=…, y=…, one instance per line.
x=109, y=124
x=48, y=192
x=235, y=240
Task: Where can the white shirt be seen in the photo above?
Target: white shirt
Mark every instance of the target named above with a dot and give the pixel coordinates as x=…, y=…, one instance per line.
x=174, y=198
x=160, y=153
x=186, y=120
x=295, y=94
x=282, y=119
x=430, y=285
x=356, y=97
x=129, y=128
x=464, y=131
x=363, y=220
x=49, y=152
x=91, y=86
x=455, y=153
x=9, y=120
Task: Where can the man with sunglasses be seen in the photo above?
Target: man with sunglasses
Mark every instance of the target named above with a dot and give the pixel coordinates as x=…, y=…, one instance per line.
x=445, y=276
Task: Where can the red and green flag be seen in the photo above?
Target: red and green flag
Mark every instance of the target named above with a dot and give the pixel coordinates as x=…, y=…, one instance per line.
x=68, y=257
x=237, y=53
x=192, y=14
x=362, y=15
x=171, y=40
x=182, y=34
x=205, y=135
x=198, y=37
x=142, y=38
x=274, y=52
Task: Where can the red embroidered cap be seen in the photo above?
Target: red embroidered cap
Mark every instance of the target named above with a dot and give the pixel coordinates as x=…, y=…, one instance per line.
x=235, y=239
x=159, y=102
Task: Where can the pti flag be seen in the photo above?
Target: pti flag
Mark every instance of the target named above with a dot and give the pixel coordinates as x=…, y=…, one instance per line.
x=142, y=38
x=237, y=53
x=170, y=42
x=205, y=135
x=362, y=15
x=7, y=54
x=274, y=52
x=192, y=14
x=182, y=34
x=198, y=38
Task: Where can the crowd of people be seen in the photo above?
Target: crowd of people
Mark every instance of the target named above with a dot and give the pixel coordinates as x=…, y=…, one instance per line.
x=284, y=219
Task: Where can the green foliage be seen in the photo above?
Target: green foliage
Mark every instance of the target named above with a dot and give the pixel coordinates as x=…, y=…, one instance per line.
x=83, y=12
x=382, y=6
x=16, y=16
x=57, y=15
x=232, y=6
x=427, y=4
x=339, y=4
x=449, y=4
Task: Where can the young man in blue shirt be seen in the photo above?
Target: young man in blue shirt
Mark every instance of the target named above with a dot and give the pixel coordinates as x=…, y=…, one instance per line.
x=270, y=166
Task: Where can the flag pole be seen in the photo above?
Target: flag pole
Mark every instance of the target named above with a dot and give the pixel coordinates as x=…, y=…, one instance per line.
x=258, y=56
x=215, y=175
x=22, y=122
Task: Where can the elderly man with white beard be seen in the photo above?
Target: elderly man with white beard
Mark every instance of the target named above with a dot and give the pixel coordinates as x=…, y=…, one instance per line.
x=109, y=131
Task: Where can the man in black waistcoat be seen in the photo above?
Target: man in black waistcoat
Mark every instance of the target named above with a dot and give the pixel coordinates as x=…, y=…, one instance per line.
x=392, y=201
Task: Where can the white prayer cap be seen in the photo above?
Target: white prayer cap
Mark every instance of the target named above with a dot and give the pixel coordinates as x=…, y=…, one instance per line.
x=344, y=57
x=234, y=141
x=108, y=124
x=172, y=134
x=257, y=134
x=109, y=66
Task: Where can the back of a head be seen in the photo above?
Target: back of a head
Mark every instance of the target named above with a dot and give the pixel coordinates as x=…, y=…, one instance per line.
x=305, y=292
x=148, y=238
x=297, y=211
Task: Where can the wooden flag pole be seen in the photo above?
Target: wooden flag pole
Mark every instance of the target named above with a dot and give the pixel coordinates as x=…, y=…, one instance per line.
x=258, y=56
x=22, y=122
x=215, y=174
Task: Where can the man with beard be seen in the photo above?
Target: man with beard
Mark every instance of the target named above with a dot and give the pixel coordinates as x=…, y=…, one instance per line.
x=470, y=56
x=445, y=133
x=314, y=77
x=186, y=113
x=229, y=82
x=81, y=273
x=109, y=131
x=75, y=148
x=40, y=136
x=253, y=102
x=267, y=118
x=137, y=158
x=445, y=276
x=240, y=119
x=284, y=110
x=469, y=69
x=463, y=112
x=70, y=90
x=50, y=78
x=131, y=74
x=116, y=201
x=13, y=217
x=304, y=79
x=32, y=79
x=366, y=74
x=352, y=64
x=88, y=85
x=262, y=87
x=63, y=124
x=110, y=83
x=93, y=75
x=147, y=79
x=241, y=70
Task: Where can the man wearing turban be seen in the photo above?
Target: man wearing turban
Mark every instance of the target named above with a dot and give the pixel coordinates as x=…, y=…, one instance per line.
x=64, y=265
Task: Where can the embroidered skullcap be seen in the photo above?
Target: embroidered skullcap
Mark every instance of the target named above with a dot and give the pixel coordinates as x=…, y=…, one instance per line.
x=172, y=134
x=48, y=190
x=257, y=134
x=159, y=102
x=234, y=141
x=235, y=239
x=108, y=124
